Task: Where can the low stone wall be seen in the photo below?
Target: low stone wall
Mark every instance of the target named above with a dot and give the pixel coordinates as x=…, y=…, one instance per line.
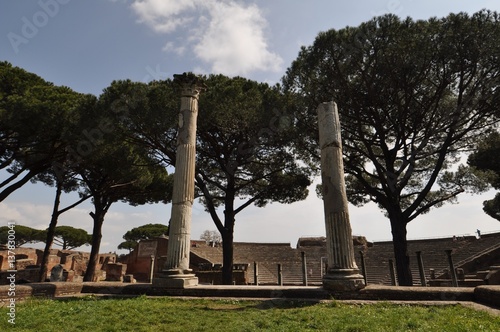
x=22, y=276
x=415, y=293
x=215, y=277
x=489, y=295
x=45, y=289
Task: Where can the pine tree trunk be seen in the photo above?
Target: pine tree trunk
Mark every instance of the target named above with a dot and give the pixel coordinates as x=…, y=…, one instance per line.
x=228, y=238
x=50, y=234
x=98, y=217
x=401, y=255
x=227, y=260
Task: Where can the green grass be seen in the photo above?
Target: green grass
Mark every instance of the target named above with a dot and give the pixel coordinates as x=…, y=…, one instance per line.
x=173, y=314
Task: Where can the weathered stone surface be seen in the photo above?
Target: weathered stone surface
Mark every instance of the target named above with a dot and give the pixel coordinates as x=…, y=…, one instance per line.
x=177, y=262
x=488, y=294
x=115, y=271
x=139, y=261
x=342, y=273
x=22, y=264
x=176, y=281
x=129, y=278
x=69, y=276
x=99, y=275
x=57, y=273
x=493, y=276
x=147, y=248
x=343, y=282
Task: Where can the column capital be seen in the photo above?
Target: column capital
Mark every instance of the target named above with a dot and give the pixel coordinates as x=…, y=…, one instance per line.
x=190, y=84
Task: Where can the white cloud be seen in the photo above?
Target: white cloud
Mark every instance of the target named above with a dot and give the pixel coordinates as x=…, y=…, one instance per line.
x=163, y=15
x=116, y=222
x=8, y=213
x=228, y=36
x=38, y=215
x=171, y=47
x=234, y=42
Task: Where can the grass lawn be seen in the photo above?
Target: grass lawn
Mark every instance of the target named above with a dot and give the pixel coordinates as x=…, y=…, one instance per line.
x=174, y=314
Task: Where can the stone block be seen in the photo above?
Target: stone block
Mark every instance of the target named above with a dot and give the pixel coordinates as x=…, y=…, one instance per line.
x=488, y=294
x=79, y=263
x=129, y=278
x=57, y=273
x=52, y=261
x=115, y=271
x=69, y=276
x=22, y=264
x=343, y=280
x=177, y=282
x=99, y=275
x=493, y=277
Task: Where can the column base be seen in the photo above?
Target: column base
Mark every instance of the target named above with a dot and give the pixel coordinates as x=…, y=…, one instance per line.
x=175, y=279
x=343, y=280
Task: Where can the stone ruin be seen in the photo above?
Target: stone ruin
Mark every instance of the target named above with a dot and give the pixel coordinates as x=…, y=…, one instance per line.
x=69, y=265
x=477, y=258
x=342, y=273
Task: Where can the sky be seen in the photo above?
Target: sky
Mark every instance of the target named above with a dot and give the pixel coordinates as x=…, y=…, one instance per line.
x=85, y=45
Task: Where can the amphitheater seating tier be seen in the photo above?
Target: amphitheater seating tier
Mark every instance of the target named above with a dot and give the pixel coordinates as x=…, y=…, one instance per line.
x=377, y=256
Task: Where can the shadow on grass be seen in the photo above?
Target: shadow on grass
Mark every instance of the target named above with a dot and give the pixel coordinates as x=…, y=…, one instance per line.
x=97, y=297
x=215, y=304
x=286, y=304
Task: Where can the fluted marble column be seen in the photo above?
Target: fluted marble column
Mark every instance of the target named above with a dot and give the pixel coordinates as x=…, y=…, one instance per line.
x=342, y=273
x=176, y=272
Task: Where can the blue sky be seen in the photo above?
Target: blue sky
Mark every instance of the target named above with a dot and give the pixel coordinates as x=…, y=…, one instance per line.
x=87, y=44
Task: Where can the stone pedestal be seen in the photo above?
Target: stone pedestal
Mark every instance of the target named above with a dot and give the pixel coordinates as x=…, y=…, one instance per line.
x=342, y=274
x=115, y=271
x=176, y=272
x=349, y=280
x=176, y=280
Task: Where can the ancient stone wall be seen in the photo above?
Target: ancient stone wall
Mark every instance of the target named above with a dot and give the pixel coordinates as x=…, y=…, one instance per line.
x=74, y=263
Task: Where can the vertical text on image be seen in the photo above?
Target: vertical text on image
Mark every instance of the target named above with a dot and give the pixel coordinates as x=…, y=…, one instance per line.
x=11, y=277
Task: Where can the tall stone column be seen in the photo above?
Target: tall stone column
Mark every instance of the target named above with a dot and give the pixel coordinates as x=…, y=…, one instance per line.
x=176, y=272
x=342, y=274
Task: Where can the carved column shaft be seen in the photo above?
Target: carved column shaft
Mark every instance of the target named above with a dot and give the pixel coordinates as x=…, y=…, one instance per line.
x=342, y=271
x=183, y=192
